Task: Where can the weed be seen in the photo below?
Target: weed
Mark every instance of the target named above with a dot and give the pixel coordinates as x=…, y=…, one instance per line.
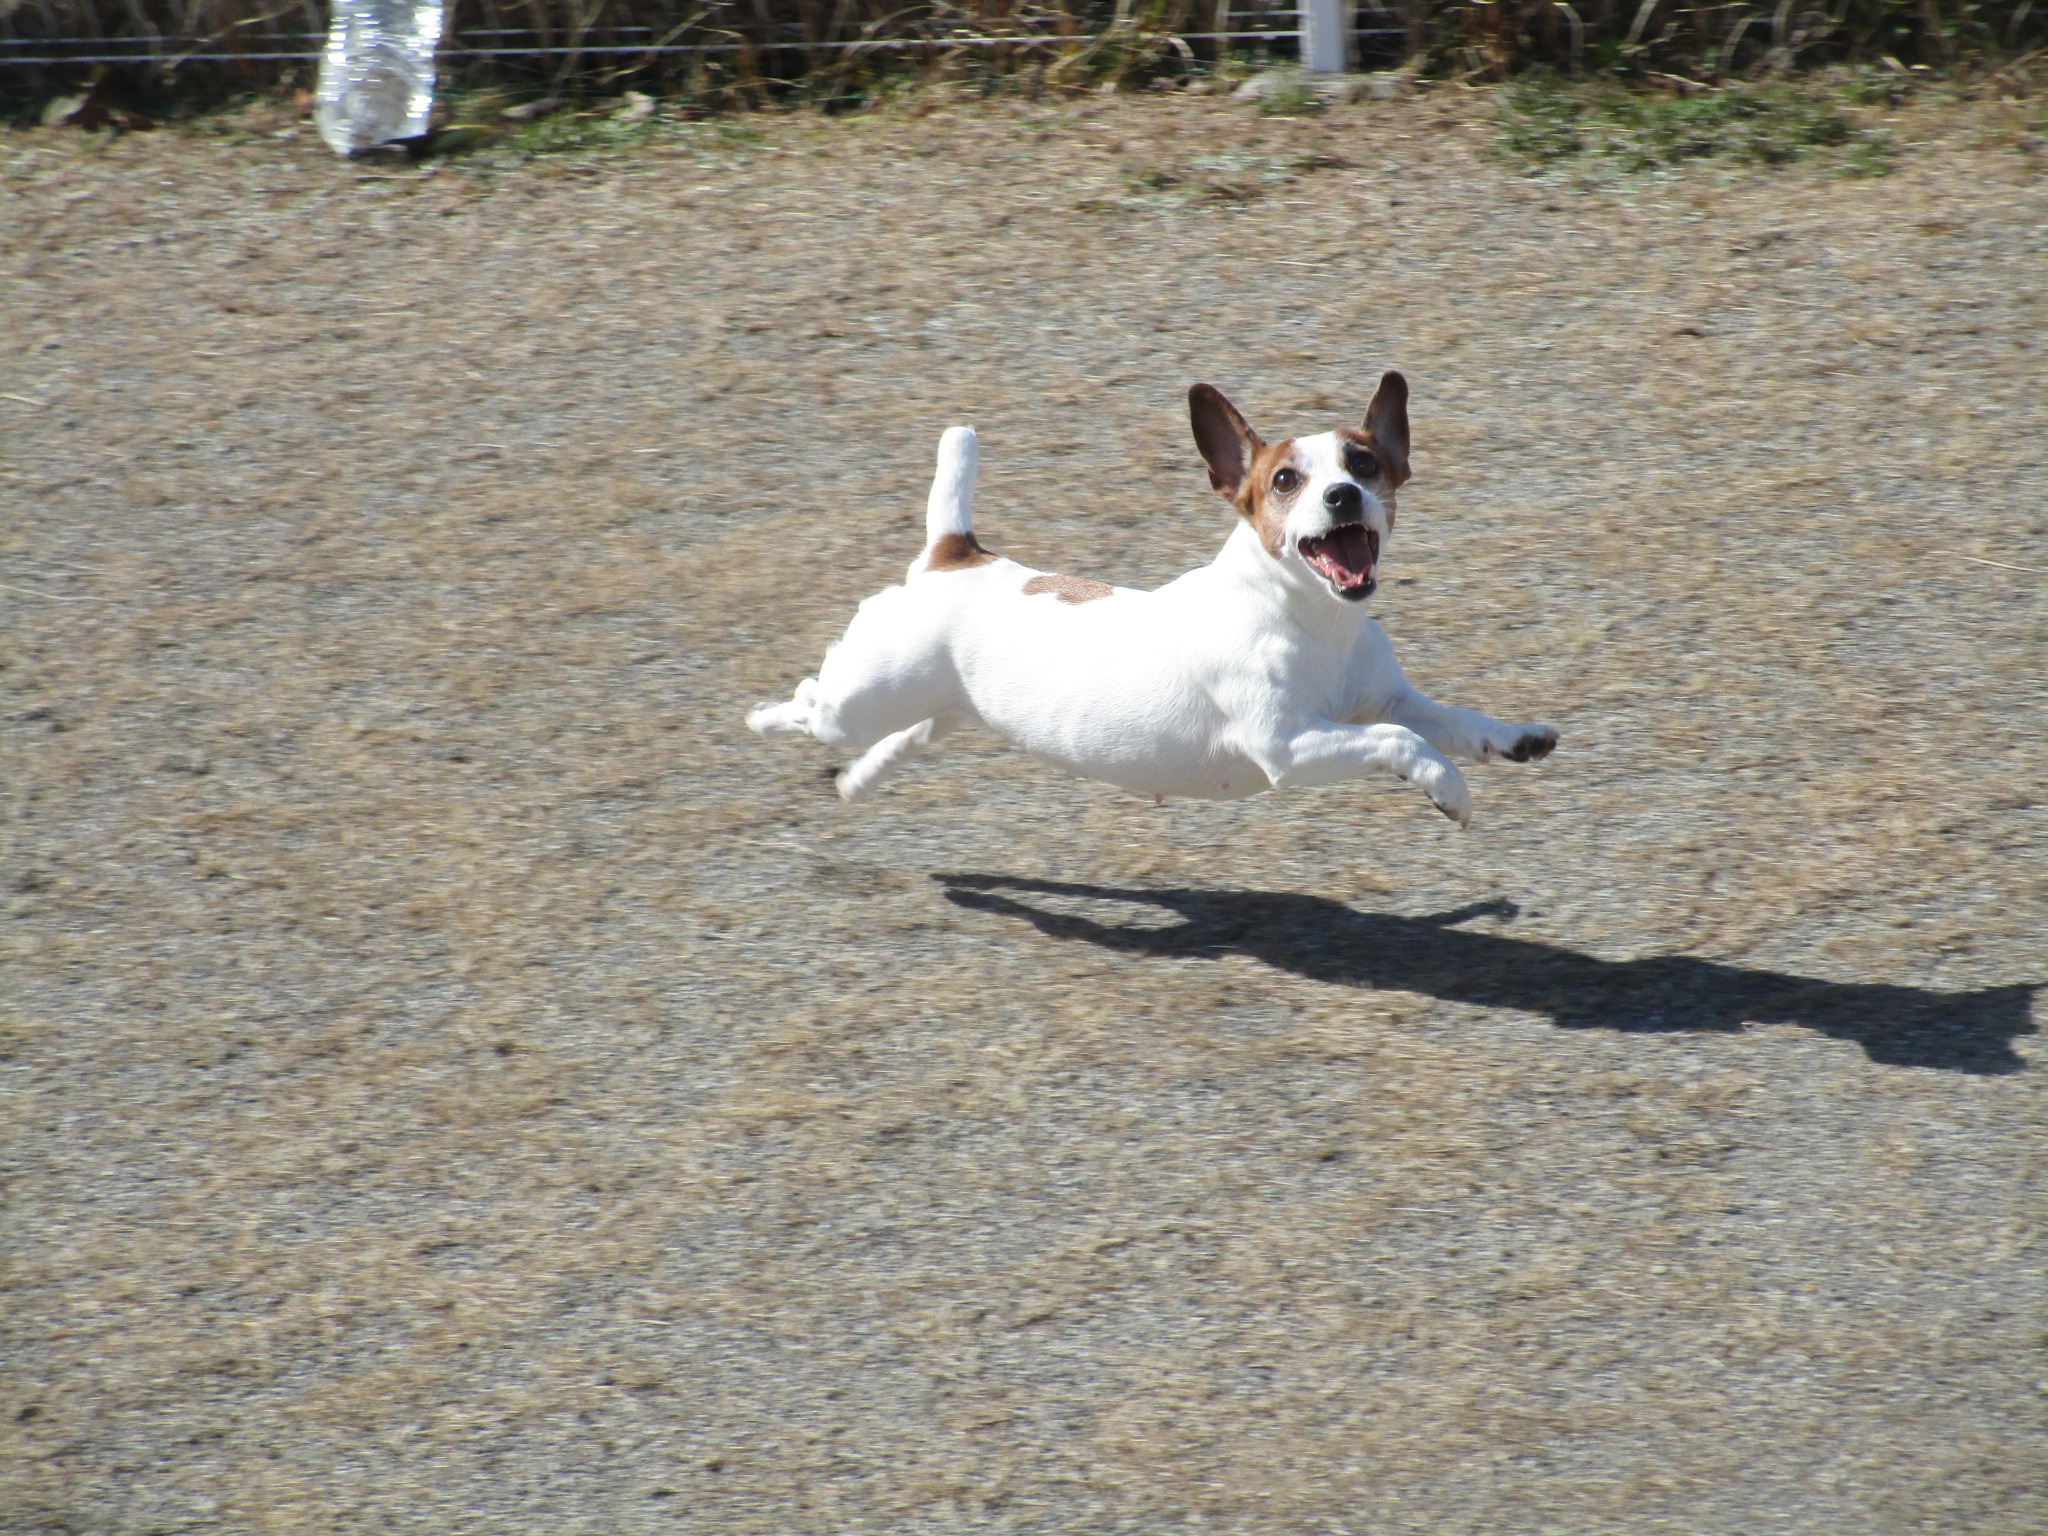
x=1241, y=164
x=1290, y=98
x=1539, y=121
x=581, y=132
x=478, y=127
x=1768, y=128
x=1232, y=176
x=1873, y=88
x=1874, y=153
x=1542, y=119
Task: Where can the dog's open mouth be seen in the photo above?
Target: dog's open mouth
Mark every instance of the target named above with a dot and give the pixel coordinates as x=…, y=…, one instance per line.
x=1345, y=556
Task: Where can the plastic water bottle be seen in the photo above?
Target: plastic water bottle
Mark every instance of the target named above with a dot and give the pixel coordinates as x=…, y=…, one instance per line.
x=377, y=75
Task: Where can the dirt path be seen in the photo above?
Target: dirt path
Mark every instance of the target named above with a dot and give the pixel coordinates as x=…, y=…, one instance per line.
x=457, y=1079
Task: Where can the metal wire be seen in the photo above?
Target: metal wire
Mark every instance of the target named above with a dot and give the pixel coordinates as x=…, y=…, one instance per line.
x=644, y=48
x=175, y=51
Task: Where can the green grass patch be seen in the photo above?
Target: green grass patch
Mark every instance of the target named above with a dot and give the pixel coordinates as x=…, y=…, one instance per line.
x=1545, y=120
x=1291, y=98
x=487, y=127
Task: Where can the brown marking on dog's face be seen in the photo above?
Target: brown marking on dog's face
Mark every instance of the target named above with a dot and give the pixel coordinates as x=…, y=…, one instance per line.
x=1269, y=492
x=1068, y=589
x=1370, y=467
x=957, y=552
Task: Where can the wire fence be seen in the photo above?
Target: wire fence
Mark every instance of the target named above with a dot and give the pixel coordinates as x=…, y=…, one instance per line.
x=668, y=44
x=82, y=33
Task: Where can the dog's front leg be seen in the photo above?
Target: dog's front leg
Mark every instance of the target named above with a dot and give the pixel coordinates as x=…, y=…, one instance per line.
x=1383, y=694
x=1329, y=753
x=1467, y=733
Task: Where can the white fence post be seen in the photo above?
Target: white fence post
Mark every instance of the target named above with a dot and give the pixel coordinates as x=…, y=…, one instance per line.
x=1323, y=41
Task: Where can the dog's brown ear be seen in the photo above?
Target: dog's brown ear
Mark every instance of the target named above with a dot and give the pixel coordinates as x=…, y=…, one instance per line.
x=1386, y=423
x=1225, y=438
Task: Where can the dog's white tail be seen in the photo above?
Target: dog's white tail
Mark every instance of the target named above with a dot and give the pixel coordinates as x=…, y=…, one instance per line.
x=950, y=508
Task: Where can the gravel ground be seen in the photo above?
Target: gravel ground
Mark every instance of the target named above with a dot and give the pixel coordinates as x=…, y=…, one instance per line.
x=459, y=1080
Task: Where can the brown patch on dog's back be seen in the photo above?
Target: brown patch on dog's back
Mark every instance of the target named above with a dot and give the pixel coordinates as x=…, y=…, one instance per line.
x=1068, y=589
x=956, y=552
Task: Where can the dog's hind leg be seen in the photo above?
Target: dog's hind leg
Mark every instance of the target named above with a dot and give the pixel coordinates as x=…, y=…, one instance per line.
x=888, y=754
x=796, y=718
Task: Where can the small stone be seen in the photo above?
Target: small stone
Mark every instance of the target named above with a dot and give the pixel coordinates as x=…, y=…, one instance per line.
x=526, y=112
x=1325, y=90
x=63, y=109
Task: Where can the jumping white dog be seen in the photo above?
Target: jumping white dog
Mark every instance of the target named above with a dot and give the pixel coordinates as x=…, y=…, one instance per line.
x=1259, y=671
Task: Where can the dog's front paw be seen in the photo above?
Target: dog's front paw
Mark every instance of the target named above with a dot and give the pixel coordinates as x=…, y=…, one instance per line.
x=852, y=785
x=1445, y=786
x=1522, y=743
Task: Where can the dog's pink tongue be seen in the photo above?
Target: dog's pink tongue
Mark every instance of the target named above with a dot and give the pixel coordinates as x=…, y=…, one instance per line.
x=1345, y=556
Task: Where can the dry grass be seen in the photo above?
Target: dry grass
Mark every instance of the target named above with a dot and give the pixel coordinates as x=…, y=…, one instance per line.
x=459, y=1079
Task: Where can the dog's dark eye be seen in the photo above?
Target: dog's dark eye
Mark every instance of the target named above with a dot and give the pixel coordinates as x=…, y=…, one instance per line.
x=1285, y=481
x=1362, y=465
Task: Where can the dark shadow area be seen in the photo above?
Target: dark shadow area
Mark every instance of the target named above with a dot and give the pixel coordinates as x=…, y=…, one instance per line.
x=1327, y=941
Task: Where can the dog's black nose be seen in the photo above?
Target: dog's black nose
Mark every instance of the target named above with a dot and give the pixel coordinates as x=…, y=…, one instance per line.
x=1345, y=499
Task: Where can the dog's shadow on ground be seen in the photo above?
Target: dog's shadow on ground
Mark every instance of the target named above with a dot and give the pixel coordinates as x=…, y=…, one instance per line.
x=1329, y=942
